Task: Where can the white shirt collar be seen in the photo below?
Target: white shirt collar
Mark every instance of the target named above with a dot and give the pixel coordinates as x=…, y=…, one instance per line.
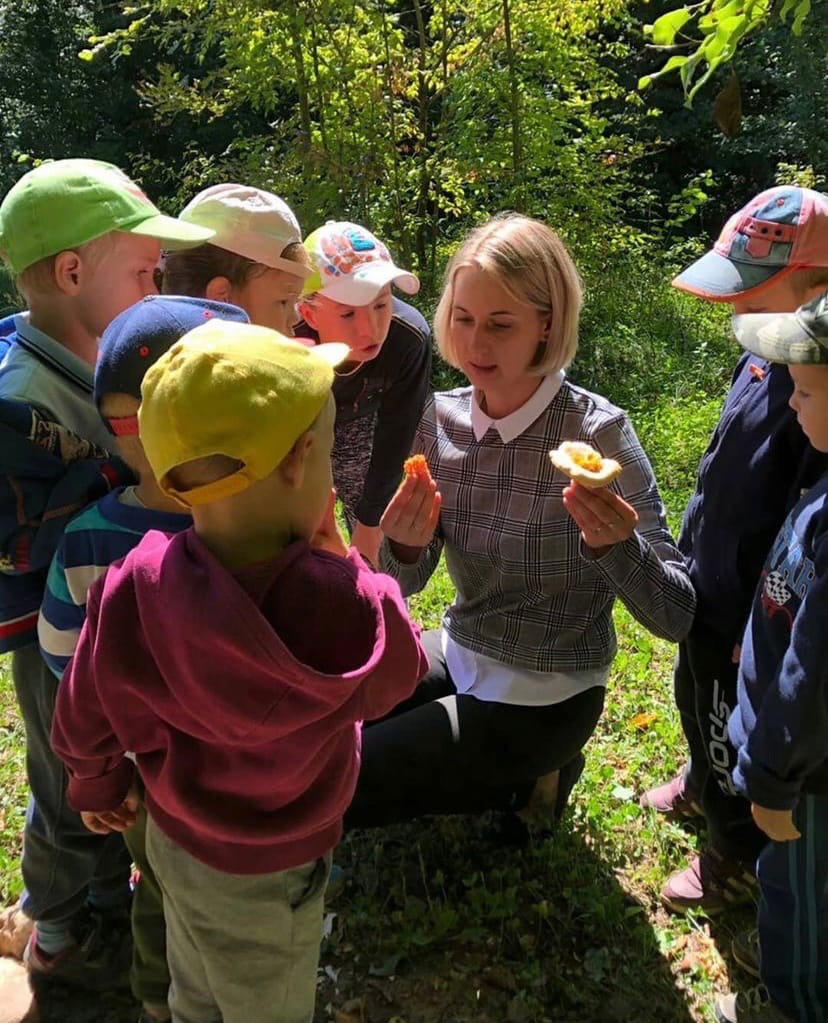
x=513, y=425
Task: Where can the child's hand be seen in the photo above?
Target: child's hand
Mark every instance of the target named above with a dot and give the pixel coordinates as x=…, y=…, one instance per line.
x=327, y=536
x=778, y=825
x=602, y=516
x=411, y=516
x=119, y=819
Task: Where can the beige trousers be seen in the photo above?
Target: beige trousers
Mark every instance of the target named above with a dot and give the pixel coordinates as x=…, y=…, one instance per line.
x=241, y=948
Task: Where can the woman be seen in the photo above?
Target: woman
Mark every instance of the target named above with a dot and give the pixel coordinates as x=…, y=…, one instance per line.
x=519, y=668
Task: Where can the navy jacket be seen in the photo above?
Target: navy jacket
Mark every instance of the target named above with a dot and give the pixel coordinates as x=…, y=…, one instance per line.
x=391, y=388
x=755, y=469
x=780, y=724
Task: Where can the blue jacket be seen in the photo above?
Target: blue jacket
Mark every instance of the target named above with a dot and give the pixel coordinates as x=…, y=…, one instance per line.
x=780, y=723
x=47, y=475
x=755, y=469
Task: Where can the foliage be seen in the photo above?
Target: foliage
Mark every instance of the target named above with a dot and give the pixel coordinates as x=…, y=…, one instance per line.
x=643, y=342
x=446, y=114
x=722, y=24
x=781, y=84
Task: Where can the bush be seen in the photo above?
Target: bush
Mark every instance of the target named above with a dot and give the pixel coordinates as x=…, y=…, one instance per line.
x=674, y=433
x=643, y=341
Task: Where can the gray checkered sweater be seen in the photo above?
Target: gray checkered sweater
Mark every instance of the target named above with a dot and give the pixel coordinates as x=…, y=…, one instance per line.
x=528, y=591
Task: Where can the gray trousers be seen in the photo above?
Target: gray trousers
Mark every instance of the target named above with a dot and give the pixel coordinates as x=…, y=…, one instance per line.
x=241, y=948
x=62, y=860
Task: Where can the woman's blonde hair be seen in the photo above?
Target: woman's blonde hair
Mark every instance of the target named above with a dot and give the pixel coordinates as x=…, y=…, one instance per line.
x=531, y=262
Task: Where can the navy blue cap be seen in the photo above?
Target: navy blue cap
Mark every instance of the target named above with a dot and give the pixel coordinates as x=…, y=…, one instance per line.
x=140, y=335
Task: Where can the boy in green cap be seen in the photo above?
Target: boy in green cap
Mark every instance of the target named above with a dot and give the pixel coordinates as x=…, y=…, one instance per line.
x=83, y=242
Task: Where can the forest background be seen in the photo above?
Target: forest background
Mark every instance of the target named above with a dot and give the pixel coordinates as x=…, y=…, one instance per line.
x=420, y=119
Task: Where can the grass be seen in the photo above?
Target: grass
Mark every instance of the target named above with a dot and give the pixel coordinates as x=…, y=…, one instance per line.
x=439, y=922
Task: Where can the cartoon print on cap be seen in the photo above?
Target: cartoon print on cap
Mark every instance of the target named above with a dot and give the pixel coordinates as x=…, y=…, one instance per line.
x=348, y=249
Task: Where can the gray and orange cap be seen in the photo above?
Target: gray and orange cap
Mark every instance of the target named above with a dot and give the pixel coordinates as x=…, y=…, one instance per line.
x=799, y=338
x=780, y=230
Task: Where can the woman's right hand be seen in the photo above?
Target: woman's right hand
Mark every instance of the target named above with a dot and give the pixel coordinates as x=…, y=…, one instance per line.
x=411, y=517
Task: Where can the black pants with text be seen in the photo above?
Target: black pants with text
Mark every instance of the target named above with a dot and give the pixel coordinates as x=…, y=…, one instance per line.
x=705, y=688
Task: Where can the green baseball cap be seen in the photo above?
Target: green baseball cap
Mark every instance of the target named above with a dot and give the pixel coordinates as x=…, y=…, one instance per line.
x=65, y=203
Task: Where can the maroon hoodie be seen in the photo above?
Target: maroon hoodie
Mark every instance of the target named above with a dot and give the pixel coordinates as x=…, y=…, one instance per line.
x=249, y=754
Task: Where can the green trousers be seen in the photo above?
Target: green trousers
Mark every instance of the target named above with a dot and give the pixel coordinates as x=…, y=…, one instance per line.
x=149, y=977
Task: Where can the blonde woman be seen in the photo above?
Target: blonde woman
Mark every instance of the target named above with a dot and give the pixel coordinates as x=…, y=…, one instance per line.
x=520, y=665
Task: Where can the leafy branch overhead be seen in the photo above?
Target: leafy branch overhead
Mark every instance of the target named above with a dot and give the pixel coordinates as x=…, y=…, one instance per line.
x=700, y=37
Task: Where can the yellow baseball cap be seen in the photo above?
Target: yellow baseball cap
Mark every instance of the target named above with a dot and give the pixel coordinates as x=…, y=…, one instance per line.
x=233, y=389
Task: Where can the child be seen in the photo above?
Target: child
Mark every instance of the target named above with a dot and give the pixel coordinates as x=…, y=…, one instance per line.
x=771, y=257
x=380, y=391
x=780, y=722
x=235, y=660
x=255, y=259
x=83, y=242
x=105, y=533
x=519, y=669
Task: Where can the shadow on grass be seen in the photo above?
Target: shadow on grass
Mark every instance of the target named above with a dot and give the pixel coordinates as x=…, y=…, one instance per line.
x=59, y=1003
x=439, y=922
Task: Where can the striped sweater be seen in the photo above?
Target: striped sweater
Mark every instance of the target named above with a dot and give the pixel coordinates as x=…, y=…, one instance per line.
x=101, y=535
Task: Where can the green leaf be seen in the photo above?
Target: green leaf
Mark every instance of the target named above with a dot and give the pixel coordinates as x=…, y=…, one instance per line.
x=664, y=29
x=710, y=22
x=87, y=55
x=802, y=12
x=670, y=65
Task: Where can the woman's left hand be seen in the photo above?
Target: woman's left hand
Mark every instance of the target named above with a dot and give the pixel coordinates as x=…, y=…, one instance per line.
x=602, y=516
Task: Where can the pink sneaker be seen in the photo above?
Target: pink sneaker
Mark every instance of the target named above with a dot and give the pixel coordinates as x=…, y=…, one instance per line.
x=711, y=883
x=675, y=799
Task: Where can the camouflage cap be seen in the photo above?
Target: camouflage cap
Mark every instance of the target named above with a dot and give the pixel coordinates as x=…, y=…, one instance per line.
x=800, y=338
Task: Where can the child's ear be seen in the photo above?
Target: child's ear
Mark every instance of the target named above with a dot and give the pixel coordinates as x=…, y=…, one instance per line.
x=292, y=466
x=218, y=289
x=308, y=314
x=68, y=271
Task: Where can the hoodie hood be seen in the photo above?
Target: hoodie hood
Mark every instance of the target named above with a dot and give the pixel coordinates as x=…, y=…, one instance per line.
x=227, y=674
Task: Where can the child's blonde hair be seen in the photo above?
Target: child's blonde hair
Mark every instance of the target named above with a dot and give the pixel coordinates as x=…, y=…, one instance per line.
x=188, y=272
x=531, y=262
x=38, y=280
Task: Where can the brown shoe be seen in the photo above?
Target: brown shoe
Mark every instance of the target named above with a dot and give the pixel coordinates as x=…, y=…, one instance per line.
x=711, y=883
x=675, y=799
